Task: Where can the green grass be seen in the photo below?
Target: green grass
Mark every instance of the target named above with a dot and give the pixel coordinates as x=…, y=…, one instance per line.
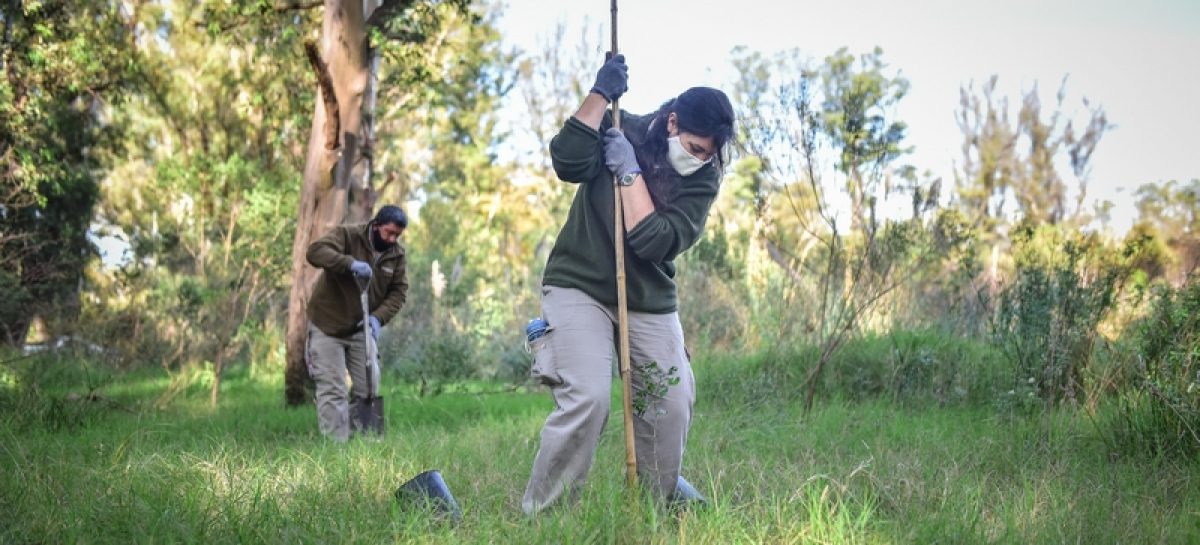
x=138, y=467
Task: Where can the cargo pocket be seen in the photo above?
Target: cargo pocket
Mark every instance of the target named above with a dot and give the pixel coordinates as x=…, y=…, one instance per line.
x=544, y=369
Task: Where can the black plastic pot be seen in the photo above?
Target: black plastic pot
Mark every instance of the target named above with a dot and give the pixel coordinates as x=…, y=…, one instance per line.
x=429, y=490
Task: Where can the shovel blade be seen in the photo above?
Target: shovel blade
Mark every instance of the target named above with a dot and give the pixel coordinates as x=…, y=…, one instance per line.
x=686, y=496
x=368, y=415
x=429, y=490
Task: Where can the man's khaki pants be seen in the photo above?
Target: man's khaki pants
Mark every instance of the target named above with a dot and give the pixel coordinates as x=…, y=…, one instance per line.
x=329, y=359
x=575, y=359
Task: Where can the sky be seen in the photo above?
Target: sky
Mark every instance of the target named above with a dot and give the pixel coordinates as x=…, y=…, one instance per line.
x=1140, y=61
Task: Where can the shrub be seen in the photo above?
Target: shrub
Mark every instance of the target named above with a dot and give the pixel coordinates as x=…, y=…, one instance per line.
x=432, y=361
x=51, y=391
x=1064, y=285
x=1161, y=411
x=917, y=366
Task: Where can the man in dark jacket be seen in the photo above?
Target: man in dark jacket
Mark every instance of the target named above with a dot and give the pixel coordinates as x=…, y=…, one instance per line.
x=351, y=256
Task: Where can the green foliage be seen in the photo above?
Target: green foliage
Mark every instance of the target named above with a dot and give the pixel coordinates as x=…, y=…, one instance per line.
x=62, y=61
x=833, y=281
x=858, y=101
x=432, y=361
x=712, y=254
x=64, y=65
x=1149, y=256
x=655, y=382
x=481, y=230
x=221, y=78
x=944, y=290
x=711, y=279
x=52, y=391
x=45, y=248
x=14, y=307
x=918, y=368
x=205, y=189
x=209, y=253
x=929, y=367
x=1064, y=285
x=1169, y=226
x=1159, y=412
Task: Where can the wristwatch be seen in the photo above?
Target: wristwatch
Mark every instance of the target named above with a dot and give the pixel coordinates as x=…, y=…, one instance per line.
x=628, y=178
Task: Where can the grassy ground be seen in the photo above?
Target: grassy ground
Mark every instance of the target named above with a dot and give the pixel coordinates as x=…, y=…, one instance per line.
x=134, y=466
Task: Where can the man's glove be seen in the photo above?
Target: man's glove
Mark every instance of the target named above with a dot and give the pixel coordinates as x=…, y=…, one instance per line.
x=612, y=80
x=360, y=269
x=618, y=154
x=375, y=325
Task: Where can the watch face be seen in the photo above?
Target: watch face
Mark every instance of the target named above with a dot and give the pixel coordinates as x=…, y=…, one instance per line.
x=627, y=179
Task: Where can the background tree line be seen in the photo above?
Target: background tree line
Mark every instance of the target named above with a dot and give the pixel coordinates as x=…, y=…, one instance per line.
x=202, y=135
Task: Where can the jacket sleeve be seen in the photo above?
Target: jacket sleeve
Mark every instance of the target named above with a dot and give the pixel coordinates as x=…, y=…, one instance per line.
x=397, y=293
x=330, y=252
x=667, y=232
x=577, y=151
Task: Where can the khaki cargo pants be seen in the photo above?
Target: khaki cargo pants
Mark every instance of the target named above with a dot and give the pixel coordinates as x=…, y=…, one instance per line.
x=575, y=359
x=329, y=359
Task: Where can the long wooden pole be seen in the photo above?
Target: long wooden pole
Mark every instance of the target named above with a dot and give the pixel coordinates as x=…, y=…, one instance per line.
x=622, y=303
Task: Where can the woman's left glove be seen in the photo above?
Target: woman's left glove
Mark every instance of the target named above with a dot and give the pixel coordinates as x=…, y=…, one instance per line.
x=612, y=80
x=618, y=154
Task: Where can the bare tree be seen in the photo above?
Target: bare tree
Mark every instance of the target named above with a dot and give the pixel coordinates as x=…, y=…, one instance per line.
x=1003, y=159
x=834, y=276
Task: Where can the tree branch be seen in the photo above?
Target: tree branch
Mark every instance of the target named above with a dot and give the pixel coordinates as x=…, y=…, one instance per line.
x=404, y=36
x=386, y=11
x=297, y=5
x=332, y=117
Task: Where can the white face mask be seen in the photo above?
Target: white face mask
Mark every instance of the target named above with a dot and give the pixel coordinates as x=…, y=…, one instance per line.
x=684, y=162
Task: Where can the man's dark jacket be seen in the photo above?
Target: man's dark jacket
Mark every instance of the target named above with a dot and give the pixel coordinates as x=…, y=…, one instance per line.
x=335, y=307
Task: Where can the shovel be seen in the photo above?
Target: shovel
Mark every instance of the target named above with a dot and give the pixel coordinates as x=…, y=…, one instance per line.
x=368, y=412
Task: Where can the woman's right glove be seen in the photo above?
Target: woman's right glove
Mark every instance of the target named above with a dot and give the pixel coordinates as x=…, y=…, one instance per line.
x=612, y=80
x=618, y=154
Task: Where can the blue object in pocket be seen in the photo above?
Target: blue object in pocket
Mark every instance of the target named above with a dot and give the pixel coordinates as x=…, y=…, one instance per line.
x=536, y=328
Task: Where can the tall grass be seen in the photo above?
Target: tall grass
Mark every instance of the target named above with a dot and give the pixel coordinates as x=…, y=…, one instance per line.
x=868, y=471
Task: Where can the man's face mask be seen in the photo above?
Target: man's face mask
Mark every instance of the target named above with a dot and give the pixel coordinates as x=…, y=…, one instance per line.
x=378, y=242
x=384, y=237
x=684, y=162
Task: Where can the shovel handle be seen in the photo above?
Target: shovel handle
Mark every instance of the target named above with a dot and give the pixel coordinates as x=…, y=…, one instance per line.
x=622, y=298
x=364, y=296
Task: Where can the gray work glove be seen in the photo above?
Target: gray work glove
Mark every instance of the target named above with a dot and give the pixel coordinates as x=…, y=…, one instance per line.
x=360, y=269
x=375, y=325
x=618, y=154
x=612, y=80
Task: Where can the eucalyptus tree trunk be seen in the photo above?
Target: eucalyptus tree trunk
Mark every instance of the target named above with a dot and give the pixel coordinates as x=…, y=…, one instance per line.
x=337, y=183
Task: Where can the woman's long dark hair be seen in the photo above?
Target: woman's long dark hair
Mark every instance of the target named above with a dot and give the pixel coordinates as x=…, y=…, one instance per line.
x=702, y=111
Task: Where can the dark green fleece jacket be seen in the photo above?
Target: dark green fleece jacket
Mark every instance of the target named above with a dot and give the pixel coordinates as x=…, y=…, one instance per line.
x=583, y=256
x=335, y=307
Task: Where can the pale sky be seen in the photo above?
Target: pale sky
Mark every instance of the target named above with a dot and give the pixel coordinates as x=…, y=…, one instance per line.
x=1138, y=60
